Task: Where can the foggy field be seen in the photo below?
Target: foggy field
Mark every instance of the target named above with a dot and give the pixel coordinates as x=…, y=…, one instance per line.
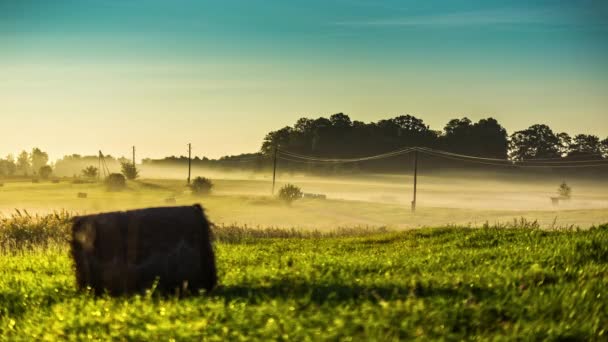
x=374, y=201
x=458, y=283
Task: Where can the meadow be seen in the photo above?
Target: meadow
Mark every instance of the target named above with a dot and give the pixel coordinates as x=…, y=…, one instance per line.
x=372, y=201
x=357, y=266
x=491, y=283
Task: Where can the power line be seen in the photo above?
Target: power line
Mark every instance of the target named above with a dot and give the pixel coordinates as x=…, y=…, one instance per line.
x=296, y=157
x=533, y=161
x=506, y=162
x=348, y=160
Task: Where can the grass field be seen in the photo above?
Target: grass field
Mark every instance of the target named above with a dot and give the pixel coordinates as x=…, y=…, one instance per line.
x=371, y=202
x=448, y=283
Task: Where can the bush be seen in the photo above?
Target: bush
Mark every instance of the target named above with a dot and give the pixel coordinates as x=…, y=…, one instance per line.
x=90, y=172
x=201, y=186
x=290, y=193
x=116, y=182
x=564, y=191
x=129, y=170
x=45, y=171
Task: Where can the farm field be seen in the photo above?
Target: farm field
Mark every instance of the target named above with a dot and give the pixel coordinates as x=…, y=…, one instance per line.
x=432, y=283
x=372, y=202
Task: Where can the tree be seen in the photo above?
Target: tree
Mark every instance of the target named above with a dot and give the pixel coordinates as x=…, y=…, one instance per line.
x=538, y=141
x=585, y=145
x=604, y=148
x=8, y=166
x=289, y=193
x=564, y=191
x=23, y=163
x=38, y=159
x=201, y=186
x=90, y=172
x=565, y=142
x=129, y=170
x=340, y=120
x=486, y=138
x=278, y=139
x=45, y=171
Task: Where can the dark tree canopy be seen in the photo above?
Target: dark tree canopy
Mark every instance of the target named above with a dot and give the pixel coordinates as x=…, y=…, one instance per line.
x=536, y=142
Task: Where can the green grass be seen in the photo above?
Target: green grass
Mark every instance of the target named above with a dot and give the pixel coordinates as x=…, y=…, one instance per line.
x=452, y=283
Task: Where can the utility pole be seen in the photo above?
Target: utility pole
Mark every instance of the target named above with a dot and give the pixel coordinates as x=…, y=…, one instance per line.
x=189, y=161
x=133, y=156
x=99, y=168
x=274, y=169
x=415, y=179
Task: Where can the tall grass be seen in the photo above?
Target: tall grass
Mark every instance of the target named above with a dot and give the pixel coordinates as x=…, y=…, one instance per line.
x=21, y=230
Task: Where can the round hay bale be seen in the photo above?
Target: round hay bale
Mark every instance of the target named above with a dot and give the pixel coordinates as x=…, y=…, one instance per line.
x=82, y=195
x=128, y=252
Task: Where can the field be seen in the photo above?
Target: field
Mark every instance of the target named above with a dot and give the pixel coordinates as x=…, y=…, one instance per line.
x=371, y=201
x=500, y=264
x=451, y=283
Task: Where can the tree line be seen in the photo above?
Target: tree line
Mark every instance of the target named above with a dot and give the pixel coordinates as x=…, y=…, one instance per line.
x=338, y=136
x=34, y=163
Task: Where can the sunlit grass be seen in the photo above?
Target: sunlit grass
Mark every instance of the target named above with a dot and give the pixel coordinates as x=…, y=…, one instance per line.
x=494, y=282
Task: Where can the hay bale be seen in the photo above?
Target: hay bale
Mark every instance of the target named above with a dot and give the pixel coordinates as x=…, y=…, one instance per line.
x=126, y=252
x=82, y=195
x=315, y=196
x=55, y=181
x=170, y=200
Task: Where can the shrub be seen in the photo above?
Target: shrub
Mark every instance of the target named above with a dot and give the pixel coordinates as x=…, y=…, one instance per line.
x=564, y=191
x=129, y=170
x=201, y=186
x=116, y=182
x=90, y=171
x=45, y=171
x=289, y=193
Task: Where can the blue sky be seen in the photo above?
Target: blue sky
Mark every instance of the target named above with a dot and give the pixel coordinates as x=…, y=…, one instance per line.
x=159, y=74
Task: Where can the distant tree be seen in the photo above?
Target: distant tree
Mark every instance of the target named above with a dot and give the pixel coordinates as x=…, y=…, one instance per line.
x=564, y=191
x=8, y=166
x=289, y=193
x=45, y=171
x=565, y=144
x=23, y=163
x=90, y=172
x=129, y=170
x=485, y=138
x=538, y=141
x=604, y=148
x=278, y=139
x=115, y=182
x=340, y=120
x=585, y=145
x=201, y=186
x=38, y=159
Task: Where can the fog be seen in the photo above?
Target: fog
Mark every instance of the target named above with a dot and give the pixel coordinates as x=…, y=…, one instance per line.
x=370, y=200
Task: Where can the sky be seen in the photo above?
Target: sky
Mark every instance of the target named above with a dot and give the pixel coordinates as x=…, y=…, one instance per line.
x=89, y=75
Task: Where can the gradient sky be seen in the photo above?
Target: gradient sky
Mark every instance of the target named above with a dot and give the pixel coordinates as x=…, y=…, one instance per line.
x=79, y=76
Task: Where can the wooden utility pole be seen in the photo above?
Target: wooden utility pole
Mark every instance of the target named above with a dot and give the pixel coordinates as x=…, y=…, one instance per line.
x=189, y=161
x=415, y=179
x=133, y=156
x=274, y=169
